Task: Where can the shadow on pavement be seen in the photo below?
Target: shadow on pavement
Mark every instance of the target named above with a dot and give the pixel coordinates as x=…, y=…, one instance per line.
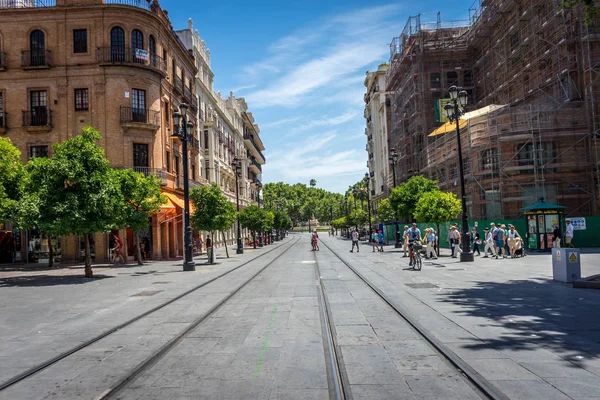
x=538, y=312
x=49, y=280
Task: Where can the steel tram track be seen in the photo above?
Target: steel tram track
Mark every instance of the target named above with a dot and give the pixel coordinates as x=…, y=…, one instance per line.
x=481, y=384
x=46, y=364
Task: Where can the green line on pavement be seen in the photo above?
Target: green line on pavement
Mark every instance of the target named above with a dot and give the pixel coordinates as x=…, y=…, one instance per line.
x=261, y=357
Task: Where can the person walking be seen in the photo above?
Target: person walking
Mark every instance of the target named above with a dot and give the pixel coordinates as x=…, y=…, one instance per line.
x=315, y=240
x=569, y=234
x=430, y=244
x=414, y=236
x=380, y=240
x=405, y=240
x=373, y=239
x=117, y=250
x=489, y=243
x=354, y=236
x=556, y=234
x=209, y=249
x=506, y=246
x=498, y=236
x=512, y=240
x=476, y=238
x=454, y=238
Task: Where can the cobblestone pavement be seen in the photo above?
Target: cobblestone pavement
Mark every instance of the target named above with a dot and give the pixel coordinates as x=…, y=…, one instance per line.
x=532, y=338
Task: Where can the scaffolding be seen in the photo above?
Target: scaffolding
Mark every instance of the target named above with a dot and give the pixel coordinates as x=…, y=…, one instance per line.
x=540, y=63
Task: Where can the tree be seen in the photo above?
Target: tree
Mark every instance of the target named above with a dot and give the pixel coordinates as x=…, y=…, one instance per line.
x=141, y=198
x=281, y=221
x=591, y=10
x=213, y=212
x=313, y=182
x=250, y=218
x=358, y=217
x=437, y=207
x=385, y=212
x=404, y=198
x=11, y=178
x=75, y=191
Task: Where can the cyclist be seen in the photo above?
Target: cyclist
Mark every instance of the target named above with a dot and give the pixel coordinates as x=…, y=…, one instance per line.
x=117, y=249
x=414, y=235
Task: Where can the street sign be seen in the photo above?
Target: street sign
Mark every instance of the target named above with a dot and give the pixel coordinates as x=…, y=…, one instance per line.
x=573, y=258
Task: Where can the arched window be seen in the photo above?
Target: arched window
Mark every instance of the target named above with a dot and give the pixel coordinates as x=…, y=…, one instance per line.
x=152, y=51
x=37, y=46
x=117, y=44
x=137, y=42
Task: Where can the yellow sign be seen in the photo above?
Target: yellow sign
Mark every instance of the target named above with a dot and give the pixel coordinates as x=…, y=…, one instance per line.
x=558, y=255
x=573, y=258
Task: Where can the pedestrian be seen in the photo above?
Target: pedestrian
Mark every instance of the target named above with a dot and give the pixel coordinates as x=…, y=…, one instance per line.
x=430, y=244
x=146, y=248
x=506, y=246
x=498, y=236
x=569, y=234
x=373, y=238
x=354, y=236
x=414, y=236
x=380, y=240
x=489, y=243
x=200, y=243
x=454, y=238
x=405, y=240
x=315, y=240
x=557, y=236
x=512, y=240
x=117, y=249
x=458, y=237
x=476, y=238
x=209, y=249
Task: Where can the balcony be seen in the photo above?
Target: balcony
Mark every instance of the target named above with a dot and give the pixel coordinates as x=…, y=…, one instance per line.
x=140, y=118
x=38, y=120
x=187, y=94
x=178, y=84
x=2, y=122
x=146, y=5
x=139, y=58
x=158, y=172
x=26, y=3
x=195, y=104
x=2, y=61
x=256, y=146
x=35, y=59
x=256, y=165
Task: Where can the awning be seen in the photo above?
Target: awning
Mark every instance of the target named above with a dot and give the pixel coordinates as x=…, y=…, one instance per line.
x=462, y=122
x=168, y=207
x=178, y=201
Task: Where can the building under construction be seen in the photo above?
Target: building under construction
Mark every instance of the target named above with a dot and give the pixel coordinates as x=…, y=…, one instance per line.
x=533, y=117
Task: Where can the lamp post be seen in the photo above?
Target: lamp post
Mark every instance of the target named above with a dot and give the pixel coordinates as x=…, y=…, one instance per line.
x=181, y=126
x=394, y=160
x=260, y=234
x=237, y=165
x=453, y=112
x=367, y=179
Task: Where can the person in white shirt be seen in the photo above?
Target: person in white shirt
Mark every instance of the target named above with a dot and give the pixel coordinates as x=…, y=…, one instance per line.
x=354, y=241
x=405, y=241
x=430, y=240
x=489, y=244
x=569, y=234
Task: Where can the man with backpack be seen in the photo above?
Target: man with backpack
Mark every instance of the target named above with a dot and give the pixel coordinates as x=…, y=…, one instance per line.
x=498, y=236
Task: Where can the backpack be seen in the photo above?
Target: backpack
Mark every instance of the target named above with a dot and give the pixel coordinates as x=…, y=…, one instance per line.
x=497, y=234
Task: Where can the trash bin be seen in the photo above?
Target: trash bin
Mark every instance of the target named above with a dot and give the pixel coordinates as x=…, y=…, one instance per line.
x=566, y=265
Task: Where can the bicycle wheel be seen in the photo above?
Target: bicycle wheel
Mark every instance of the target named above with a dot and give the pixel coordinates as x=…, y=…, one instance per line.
x=417, y=264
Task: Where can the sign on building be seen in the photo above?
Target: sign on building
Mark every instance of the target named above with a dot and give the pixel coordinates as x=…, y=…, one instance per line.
x=578, y=223
x=141, y=54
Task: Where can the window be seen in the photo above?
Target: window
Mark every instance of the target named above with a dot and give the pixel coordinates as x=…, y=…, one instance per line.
x=80, y=41
x=38, y=101
x=207, y=169
x=140, y=155
x=37, y=45
x=173, y=68
x=1, y=112
x=535, y=155
x=168, y=161
x=138, y=105
x=81, y=100
x=451, y=78
x=206, y=139
x=468, y=78
x=177, y=165
x=167, y=114
x=193, y=172
x=117, y=44
x=489, y=160
x=434, y=80
x=152, y=51
x=38, y=151
x=137, y=42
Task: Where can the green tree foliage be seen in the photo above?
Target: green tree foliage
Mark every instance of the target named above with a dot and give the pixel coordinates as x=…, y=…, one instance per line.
x=339, y=223
x=75, y=191
x=385, y=212
x=358, y=217
x=213, y=211
x=281, y=220
x=141, y=198
x=591, y=10
x=11, y=178
x=313, y=182
x=437, y=207
x=256, y=220
x=404, y=198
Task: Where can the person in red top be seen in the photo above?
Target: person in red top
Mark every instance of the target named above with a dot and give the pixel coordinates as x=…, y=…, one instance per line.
x=117, y=249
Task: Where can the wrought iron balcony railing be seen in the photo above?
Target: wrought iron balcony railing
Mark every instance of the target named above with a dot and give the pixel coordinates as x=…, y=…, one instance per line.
x=251, y=138
x=140, y=115
x=119, y=55
x=35, y=59
x=187, y=93
x=27, y=3
x=178, y=84
x=158, y=172
x=40, y=116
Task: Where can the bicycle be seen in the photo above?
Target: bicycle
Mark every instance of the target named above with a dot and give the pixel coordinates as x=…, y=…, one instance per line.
x=416, y=250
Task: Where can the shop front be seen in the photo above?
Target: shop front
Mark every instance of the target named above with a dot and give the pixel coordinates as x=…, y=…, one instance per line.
x=541, y=220
x=11, y=244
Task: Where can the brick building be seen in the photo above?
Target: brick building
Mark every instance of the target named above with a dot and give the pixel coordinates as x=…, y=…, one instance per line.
x=529, y=69
x=116, y=65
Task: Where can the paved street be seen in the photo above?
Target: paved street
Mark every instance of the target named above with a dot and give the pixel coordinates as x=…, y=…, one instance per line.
x=528, y=336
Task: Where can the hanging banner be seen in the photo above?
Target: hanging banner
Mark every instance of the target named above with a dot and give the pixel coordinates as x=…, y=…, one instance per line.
x=141, y=54
x=578, y=223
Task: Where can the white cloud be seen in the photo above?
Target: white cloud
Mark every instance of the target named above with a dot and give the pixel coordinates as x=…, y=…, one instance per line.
x=281, y=122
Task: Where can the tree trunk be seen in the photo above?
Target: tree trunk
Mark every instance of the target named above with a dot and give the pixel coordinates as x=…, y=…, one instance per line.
x=138, y=251
x=254, y=239
x=50, y=253
x=225, y=241
x=88, y=260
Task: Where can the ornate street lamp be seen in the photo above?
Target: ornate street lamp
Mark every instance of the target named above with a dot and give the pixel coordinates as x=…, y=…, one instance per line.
x=394, y=160
x=237, y=166
x=180, y=131
x=367, y=180
x=453, y=112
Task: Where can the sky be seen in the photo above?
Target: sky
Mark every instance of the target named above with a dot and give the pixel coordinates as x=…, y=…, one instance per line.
x=301, y=68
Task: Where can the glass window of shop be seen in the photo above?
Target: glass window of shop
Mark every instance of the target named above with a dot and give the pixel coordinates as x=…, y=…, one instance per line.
x=82, y=248
x=10, y=244
x=38, y=247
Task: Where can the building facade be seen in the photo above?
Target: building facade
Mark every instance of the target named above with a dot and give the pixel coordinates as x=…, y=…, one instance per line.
x=117, y=66
x=531, y=131
x=376, y=116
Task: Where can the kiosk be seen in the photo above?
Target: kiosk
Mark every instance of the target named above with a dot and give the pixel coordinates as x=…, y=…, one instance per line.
x=541, y=218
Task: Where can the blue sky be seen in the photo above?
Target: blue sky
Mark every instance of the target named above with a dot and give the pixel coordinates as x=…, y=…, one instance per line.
x=301, y=69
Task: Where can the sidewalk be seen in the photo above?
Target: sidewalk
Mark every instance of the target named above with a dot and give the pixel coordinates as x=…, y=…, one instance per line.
x=532, y=337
